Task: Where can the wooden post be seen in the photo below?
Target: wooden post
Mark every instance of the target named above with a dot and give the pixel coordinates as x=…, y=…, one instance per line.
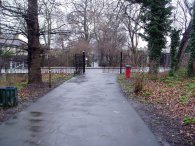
x=121, y=62
x=75, y=61
x=49, y=71
x=93, y=60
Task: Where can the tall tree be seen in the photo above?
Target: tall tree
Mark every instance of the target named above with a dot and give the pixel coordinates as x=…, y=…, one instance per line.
x=183, y=45
x=157, y=25
x=21, y=17
x=81, y=18
x=174, y=45
x=182, y=17
x=34, y=51
x=109, y=34
x=191, y=67
x=131, y=19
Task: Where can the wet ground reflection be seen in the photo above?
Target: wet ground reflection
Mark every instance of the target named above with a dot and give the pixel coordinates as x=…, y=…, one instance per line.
x=35, y=126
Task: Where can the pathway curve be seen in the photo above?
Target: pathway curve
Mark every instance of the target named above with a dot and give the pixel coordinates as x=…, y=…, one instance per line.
x=89, y=110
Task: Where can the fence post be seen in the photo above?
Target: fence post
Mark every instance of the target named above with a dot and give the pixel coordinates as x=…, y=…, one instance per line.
x=83, y=62
x=75, y=63
x=121, y=62
x=49, y=67
x=93, y=60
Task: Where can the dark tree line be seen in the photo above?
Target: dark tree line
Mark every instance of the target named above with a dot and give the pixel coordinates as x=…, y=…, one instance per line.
x=191, y=67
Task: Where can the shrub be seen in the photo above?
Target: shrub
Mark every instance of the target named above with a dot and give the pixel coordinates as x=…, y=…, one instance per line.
x=189, y=121
x=139, y=82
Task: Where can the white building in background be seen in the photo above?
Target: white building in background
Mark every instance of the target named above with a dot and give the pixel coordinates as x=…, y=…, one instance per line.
x=15, y=46
x=17, y=58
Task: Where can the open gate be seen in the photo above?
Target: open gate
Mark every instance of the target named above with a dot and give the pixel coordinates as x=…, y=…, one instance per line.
x=80, y=63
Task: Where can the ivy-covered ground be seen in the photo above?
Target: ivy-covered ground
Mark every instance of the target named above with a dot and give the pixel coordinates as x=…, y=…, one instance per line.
x=28, y=93
x=167, y=104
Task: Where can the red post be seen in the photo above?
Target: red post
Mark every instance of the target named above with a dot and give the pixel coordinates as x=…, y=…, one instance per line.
x=128, y=72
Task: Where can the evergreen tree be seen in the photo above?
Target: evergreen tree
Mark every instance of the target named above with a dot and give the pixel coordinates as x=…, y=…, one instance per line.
x=157, y=25
x=191, y=66
x=174, y=45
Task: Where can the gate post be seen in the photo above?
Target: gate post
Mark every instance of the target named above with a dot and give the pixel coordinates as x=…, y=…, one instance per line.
x=83, y=62
x=121, y=62
x=75, y=63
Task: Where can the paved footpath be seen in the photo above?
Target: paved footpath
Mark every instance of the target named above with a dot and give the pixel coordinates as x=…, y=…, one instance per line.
x=89, y=110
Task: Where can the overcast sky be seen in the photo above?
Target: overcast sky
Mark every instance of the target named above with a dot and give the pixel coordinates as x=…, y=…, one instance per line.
x=67, y=8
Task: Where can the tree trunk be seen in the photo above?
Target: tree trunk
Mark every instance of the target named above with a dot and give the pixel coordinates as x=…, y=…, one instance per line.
x=183, y=46
x=153, y=66
x=193, y=68
x=85, y=23
x=34, y=51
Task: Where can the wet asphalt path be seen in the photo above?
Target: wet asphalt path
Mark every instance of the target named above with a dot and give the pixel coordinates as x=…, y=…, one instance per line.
x=88, y=110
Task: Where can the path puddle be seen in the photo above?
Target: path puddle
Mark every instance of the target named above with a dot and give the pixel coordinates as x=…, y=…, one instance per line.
x=35, y=129
x=33, y=121
x=79, y=79
x=10, y=123
x=110, y=83
x=35, y=126
x=31, y=142
x=36, y=114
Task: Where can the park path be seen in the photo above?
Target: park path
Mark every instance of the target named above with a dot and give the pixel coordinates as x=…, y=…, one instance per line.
x=88, y=110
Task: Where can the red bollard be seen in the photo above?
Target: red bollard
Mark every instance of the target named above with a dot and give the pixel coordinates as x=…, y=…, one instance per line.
x=128, y=72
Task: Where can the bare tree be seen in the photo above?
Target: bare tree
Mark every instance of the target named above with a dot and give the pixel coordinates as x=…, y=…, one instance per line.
x=109, y=34
x=22, y=17
x=131, y=18
x=51, y=22
x=183, y=20
x=80, y=19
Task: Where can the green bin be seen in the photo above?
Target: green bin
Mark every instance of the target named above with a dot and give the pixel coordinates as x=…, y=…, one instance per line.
x=8, y=96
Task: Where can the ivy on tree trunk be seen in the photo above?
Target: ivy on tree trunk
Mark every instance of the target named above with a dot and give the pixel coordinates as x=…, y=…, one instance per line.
x=174, y=44
x=156, y=18
x=157, y=27
x=191, y=66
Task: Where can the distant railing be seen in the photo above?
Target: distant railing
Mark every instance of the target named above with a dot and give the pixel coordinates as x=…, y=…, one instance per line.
x=56, y=70
x=14, y=71
x=133, y=69
x=71, y=70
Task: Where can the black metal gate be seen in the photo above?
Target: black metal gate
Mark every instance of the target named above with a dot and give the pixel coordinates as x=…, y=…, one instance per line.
x=80, y=63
